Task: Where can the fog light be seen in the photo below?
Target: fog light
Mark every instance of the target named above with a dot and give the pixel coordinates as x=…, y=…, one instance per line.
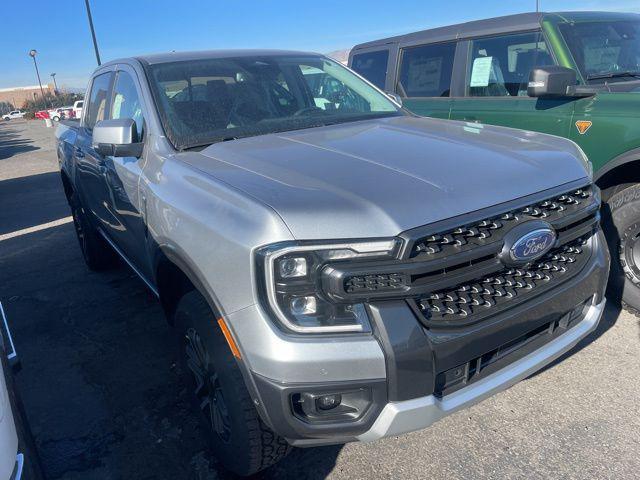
x=332, y=406
x=304, y=305
x=328, y=402
x=292, y=267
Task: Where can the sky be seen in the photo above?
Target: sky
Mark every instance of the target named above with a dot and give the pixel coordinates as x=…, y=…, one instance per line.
x=59, y=30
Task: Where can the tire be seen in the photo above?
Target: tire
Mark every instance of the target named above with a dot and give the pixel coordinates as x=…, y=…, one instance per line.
x=621, y=221
x=56, y=119
x=98, y=255
x=240, y=440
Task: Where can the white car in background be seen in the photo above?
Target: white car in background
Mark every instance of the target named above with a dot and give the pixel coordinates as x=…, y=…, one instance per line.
x=56, y=114
x=13, y=114
x=77, y=108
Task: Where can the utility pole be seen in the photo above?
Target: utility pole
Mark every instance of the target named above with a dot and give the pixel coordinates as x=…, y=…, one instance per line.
x=93, y=32
x=32, y=54
x=537, y=5
x=55, y=85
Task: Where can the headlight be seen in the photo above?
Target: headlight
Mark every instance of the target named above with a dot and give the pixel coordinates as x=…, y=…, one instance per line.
x=289, y=276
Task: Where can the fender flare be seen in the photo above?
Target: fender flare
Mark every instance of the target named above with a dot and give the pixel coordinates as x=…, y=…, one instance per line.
x=175, y=255
x=627, y=157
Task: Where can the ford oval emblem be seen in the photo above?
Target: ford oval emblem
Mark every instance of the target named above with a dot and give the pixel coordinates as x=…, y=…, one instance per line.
x=532, y=245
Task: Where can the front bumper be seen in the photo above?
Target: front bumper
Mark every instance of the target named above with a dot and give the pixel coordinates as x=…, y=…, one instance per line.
x=401, y=364
x=410, y=415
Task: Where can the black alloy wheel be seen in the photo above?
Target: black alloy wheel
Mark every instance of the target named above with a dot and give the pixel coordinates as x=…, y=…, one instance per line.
x=208, y=390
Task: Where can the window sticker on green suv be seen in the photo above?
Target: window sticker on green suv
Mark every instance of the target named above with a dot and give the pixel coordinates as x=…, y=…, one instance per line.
x=425, y=71
x=500, y=66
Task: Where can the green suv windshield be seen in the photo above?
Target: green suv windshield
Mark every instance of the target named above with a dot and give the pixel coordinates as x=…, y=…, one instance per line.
x=206, y=101
x=605, y=50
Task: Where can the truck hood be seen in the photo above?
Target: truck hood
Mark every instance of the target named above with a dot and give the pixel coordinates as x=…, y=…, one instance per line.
x=379, y=177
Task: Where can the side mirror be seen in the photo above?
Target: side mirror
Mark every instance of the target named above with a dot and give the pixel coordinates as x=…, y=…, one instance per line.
x=551, y=81
x=117, y=138
x=395, y=97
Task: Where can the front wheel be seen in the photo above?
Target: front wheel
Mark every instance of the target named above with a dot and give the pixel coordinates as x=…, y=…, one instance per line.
x=621, y=220
x=239, y=438
x=56, y=119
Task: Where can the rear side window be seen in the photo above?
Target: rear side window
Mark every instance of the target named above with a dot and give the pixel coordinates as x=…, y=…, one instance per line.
x=372, y=66
x=425, y=71
x=98, y=100
x=500, y=66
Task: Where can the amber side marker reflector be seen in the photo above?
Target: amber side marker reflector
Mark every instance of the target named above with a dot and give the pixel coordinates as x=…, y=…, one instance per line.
x=227, y=335
x=583, y=126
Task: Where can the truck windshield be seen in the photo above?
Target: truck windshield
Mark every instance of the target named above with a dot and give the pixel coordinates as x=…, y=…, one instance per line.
x=605, y=50
x=201, y=102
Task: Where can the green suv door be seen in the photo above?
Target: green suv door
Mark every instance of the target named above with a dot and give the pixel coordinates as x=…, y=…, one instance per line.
x=495, y=87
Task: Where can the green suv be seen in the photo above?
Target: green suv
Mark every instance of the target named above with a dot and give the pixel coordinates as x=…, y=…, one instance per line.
x=575, y=75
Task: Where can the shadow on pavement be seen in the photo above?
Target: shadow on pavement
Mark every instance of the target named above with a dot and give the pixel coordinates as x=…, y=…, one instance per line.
x=30, y=201
x=11, y=143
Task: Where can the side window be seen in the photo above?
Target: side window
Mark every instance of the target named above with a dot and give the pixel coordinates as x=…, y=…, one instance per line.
x=425, y=71
x=500, y=66
x=98, y=100
x=372, y=66
x=125, y=101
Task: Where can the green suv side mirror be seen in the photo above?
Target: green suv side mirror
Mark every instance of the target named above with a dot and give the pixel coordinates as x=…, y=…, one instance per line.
x=554, y=81
x=551, y=81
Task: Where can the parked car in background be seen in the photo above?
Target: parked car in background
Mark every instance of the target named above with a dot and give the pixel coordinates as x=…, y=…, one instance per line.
x=18, y=455
x=77, y=108
x=336, y=268
x=13, y=115
x=67, y=112
x=57, y=114
x=573, y=74
x=42, y=114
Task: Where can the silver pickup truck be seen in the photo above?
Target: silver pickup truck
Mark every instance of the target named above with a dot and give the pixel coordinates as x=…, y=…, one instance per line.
x=337, y=269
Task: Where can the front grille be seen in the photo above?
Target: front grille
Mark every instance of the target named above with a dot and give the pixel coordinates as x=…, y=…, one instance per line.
x=508, y=287
x=454, y=273
x=489, y=230
x=374, y=283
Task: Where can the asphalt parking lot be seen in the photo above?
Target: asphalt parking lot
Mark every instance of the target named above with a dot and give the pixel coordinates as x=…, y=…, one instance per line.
x=104, y=401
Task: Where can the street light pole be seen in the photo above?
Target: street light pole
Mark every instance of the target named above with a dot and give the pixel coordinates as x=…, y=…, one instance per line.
x=32, y=54
x=93, y=32
x=55, y=85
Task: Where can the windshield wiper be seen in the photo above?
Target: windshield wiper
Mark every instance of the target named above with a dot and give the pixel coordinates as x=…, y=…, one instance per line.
x=596, y=76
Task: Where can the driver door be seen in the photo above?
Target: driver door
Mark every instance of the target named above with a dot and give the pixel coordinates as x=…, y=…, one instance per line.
x=122, y=176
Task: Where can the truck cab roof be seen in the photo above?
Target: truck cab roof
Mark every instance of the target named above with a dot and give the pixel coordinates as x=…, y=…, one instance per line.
x=166, y=57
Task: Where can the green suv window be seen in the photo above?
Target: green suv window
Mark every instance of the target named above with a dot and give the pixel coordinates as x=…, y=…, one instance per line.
x=425, y=71
x=601, y=48
x=372, y=66
x=500, y=66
